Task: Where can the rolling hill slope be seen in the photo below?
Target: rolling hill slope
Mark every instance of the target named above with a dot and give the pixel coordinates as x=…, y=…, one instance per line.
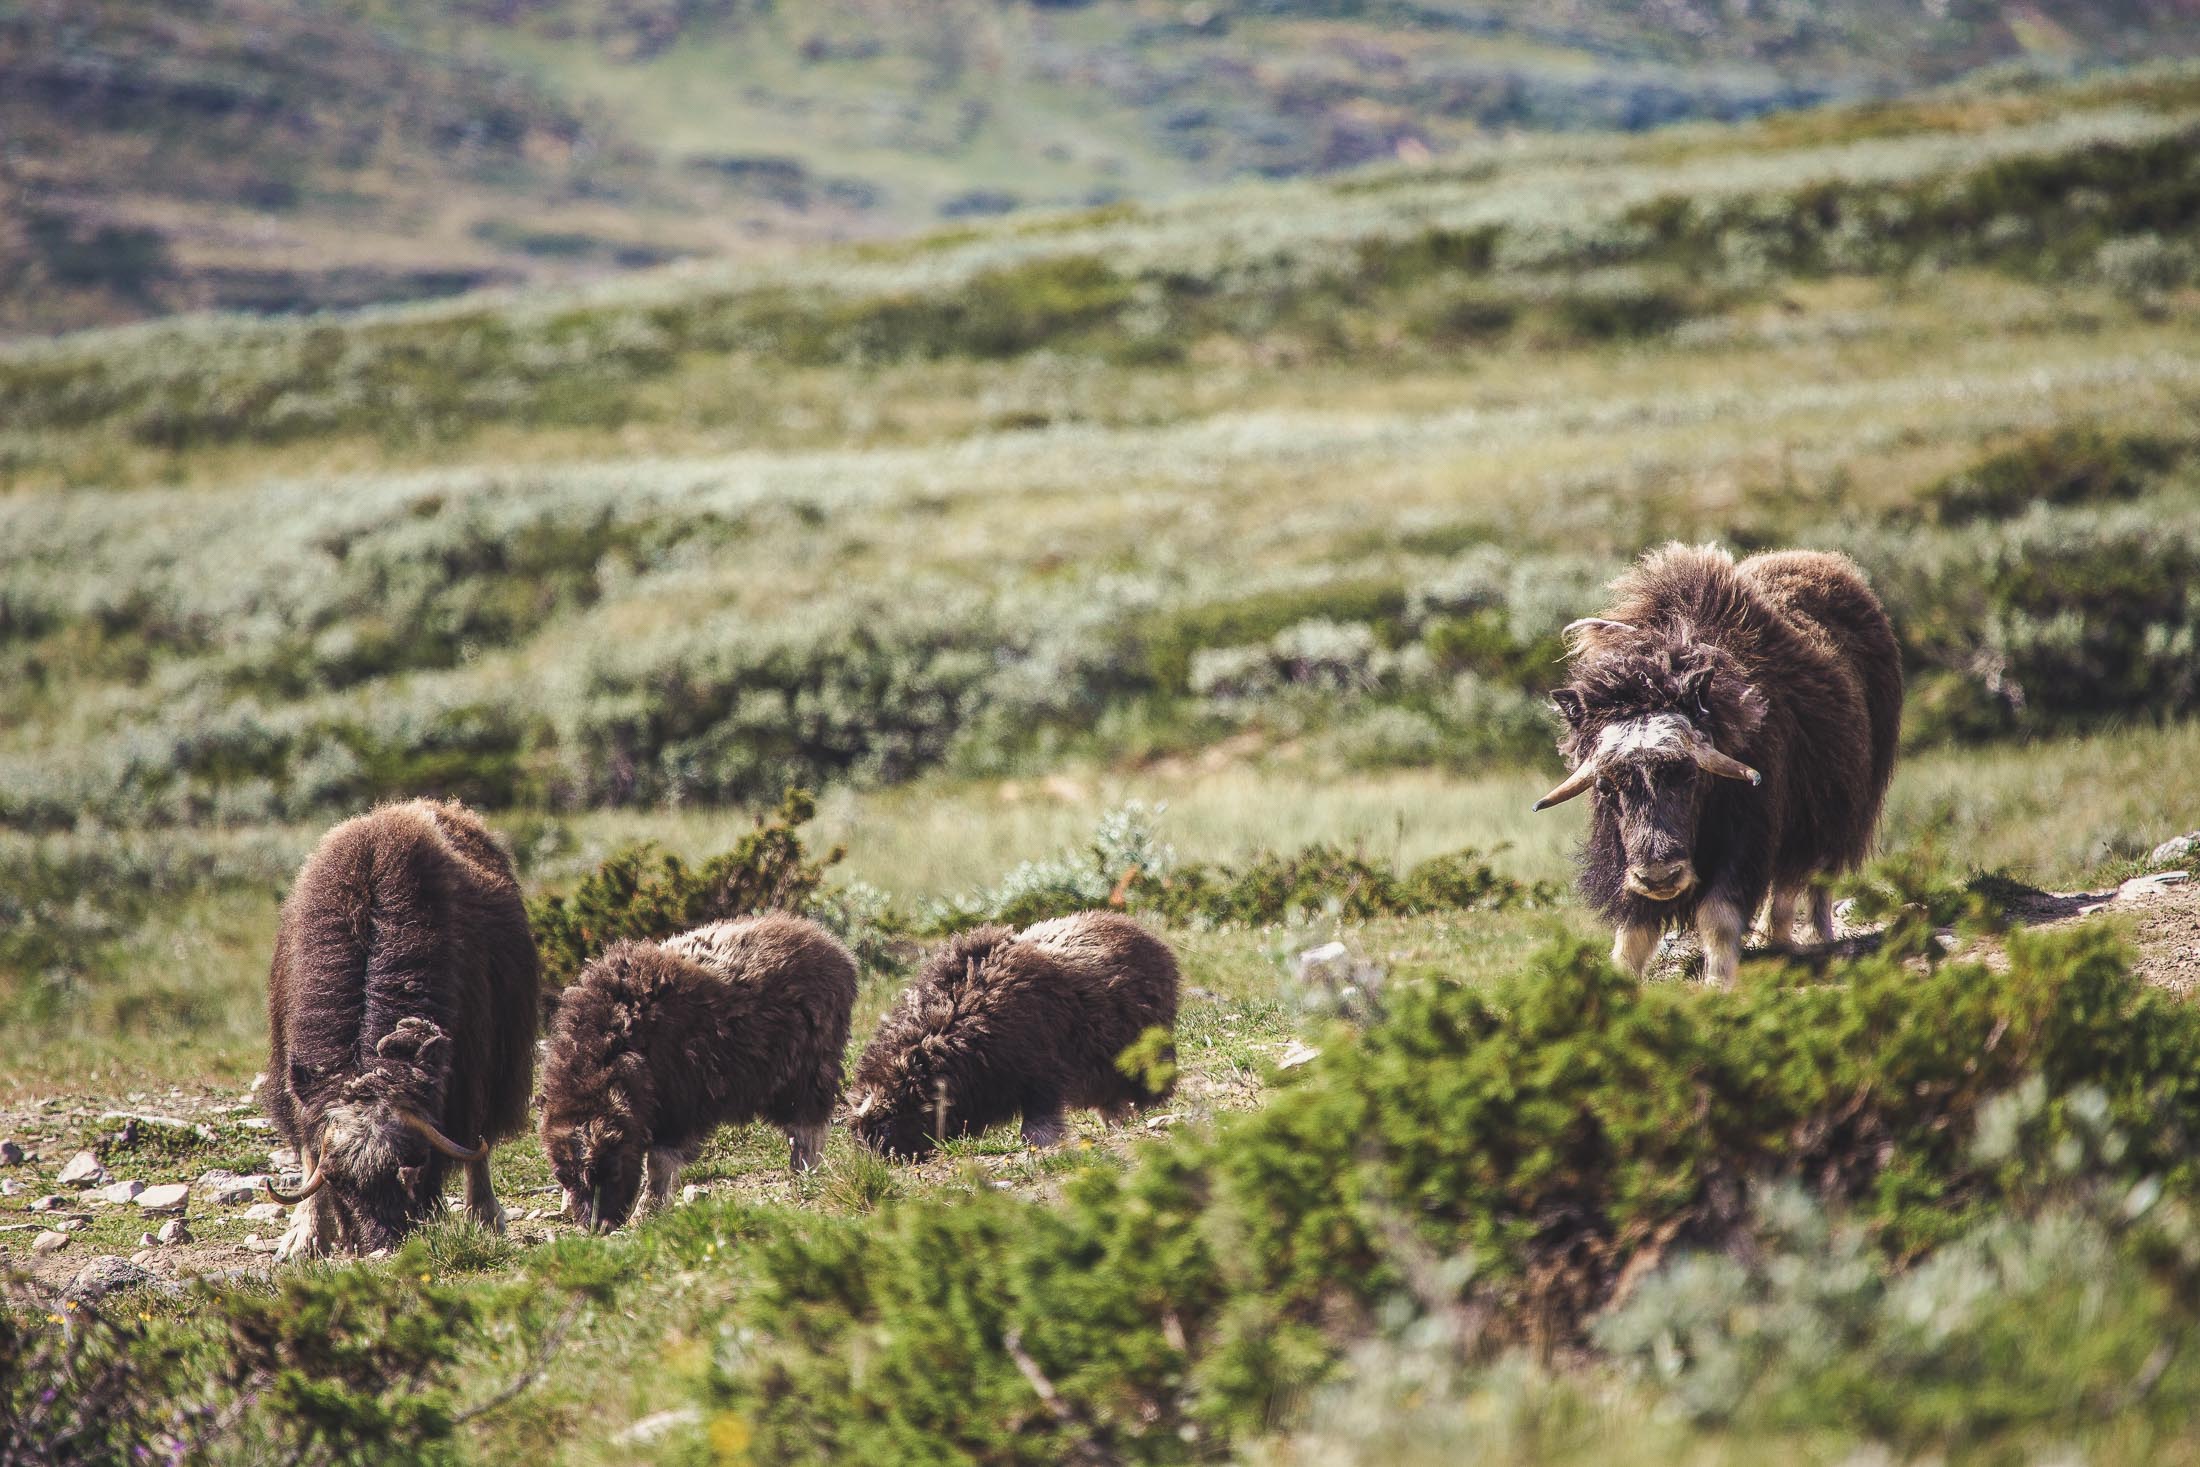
x=277, y=155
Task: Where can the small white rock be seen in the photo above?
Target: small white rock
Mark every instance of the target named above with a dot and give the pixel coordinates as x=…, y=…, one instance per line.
x=49, y=1241
x=264, y=1212
x=283, y=1159
x=83, y=1170
x=1297, y=1053
x=172, y=1232
x=51, y=1202
x=121, y=1192
x=690, y=1192
x=235, y=1191
x=257, y=1244
x=146, y=1240
x=257, y=1081
x=257, y=1123
x=73, y=1224
x=167, y=1197
x=650, y=1428
x=10, y=1187
x=2176, y=849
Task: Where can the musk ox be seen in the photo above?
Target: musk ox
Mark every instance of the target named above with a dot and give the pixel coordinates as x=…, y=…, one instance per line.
x=401, y=1013
x=1737, y=726
x=1002, y=1024
x=658, y=1044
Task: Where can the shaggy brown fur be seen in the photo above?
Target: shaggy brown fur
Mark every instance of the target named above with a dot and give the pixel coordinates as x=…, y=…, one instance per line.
x=1784, y=663
x=1003, y=1024
x=404, y=980
x=657, y=1045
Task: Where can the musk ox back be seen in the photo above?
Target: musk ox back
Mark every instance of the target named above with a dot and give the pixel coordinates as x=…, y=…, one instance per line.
x=402, y=1004
x=1003, y=1024
x=658, y=1044
x=1737, y=725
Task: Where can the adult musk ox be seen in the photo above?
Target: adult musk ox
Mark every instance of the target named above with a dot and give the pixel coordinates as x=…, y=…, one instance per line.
x=1736, y=725
x=1001, y=1024
x=657, y=1045
x=401, y=1013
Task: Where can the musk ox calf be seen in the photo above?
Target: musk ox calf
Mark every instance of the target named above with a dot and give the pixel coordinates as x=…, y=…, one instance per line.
x=1737, y=725
x=401, y=1013
x=1003, y=1024
x=657, y=1045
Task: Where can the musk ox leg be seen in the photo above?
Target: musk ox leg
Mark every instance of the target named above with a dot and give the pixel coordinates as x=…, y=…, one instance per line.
x=663, y=1167
x=481, y=1198
x=1632, y=948
x=313, y=1231
x=1045, y=1129
x=1780, y=920
x=806, y=1145
x=1821, y=912
x=1719, y=924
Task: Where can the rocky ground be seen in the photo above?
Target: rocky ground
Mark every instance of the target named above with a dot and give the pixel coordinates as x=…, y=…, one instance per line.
x=98, y=1193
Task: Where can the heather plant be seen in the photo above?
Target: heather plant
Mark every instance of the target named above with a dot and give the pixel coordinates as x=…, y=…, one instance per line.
x=644, y=894
x=1128, y=866
x=1559, y=1136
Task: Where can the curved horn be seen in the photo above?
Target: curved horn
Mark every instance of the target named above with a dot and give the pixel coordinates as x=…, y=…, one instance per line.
x=315, y=1181
x=1713, y=762
x=1596, y=622
x=442, y=1142
x=1572, y=785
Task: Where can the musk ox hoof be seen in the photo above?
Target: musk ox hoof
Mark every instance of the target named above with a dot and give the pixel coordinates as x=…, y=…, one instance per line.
x=1044, y=1130
x=493, y=1217
x=305, y=1237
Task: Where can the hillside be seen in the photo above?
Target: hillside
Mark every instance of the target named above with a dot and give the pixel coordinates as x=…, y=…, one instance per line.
x=276, y=155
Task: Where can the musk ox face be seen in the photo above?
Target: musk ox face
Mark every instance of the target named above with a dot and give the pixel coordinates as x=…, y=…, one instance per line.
x=907, y=1120
x=1644, y=725
x=599, y=1161
x=373, y=1161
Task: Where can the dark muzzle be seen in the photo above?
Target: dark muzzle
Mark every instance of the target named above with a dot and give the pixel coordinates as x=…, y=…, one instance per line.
x=1660, y=881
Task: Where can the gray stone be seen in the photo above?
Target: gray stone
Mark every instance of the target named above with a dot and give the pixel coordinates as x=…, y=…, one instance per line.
x=172, y=1232
x=73, y=1224
x=264, y=1212
x=51, y=1202
x=167, y=1197
x=83, y=1170
x=142, y=1257
x=11, y=1153
x=2175, y=851
x=236, y=1191
x=10, y=1187
x=103, y=1276
x=48, y=1242
x=121, y=1192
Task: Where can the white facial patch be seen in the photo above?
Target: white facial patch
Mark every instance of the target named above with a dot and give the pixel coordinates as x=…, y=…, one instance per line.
x=1661, y=734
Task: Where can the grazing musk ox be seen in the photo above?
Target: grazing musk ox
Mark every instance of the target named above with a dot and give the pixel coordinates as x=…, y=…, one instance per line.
x=401, y=1004
x=657, y=1045
x=1737, y=724
x=1002, y=1024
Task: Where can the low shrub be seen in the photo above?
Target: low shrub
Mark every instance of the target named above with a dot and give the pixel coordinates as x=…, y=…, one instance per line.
x=1129, y=867
x=2081, y=465
x=1556, y=1136
x=350, y=1365
x=644, y=894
